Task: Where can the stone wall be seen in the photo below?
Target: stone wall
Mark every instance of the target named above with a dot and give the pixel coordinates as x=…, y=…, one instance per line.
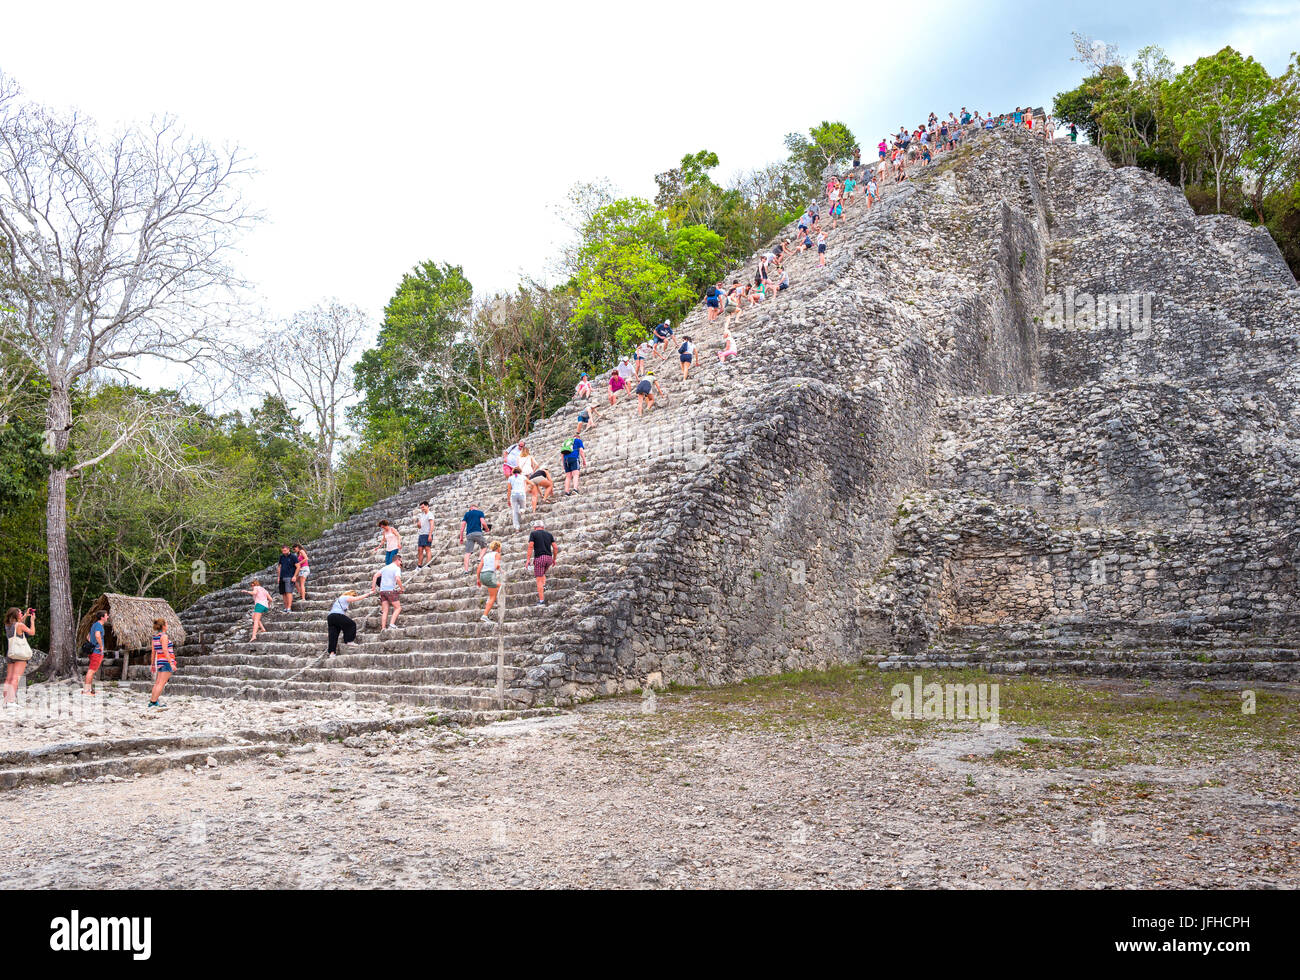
x=1146, y=492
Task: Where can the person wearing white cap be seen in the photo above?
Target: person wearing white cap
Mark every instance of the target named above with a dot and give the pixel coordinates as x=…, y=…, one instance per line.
x=663, y=334
x=626, y=370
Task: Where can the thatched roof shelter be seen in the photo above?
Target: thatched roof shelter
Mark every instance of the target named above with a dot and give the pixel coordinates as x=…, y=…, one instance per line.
x=130, y=621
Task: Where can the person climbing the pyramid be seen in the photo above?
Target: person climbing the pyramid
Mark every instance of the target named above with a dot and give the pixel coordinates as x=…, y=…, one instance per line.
x=540, y=556
x=645, y=392
x=390, y=542
x=472, y=533
x=687, y=354
x=573, y=454
x=663, y=333
x=424, y=541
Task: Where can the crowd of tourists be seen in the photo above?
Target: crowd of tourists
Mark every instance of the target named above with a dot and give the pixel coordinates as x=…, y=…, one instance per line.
x=20, y=624
x=529, y=483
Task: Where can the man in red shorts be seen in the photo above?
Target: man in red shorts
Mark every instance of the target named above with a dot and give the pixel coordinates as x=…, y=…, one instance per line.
x=93, y=648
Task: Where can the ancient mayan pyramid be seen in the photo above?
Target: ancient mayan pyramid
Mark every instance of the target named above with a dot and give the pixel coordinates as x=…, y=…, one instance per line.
x=935, y=450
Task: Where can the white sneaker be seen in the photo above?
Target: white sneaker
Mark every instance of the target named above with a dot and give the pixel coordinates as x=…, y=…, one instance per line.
x=484, y=619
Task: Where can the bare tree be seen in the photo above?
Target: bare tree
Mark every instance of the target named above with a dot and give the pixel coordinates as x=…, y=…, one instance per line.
x=581, y=202
x=512, y=359
x=113, y=248
x=307, y=362
x=1097, y=55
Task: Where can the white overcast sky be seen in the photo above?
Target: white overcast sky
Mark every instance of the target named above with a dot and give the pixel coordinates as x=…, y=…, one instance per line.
x=387, y=133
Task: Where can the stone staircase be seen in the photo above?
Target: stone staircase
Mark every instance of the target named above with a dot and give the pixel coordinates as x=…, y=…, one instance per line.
x=643, y=472
x=904, y=464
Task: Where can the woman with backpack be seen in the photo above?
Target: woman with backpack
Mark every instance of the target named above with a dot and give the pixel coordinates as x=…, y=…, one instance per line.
x=687, y=353
x=574, y=456
x=733, y=303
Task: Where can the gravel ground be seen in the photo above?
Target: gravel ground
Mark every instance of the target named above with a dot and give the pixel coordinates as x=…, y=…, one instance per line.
x=688, y=790
x=59, y=713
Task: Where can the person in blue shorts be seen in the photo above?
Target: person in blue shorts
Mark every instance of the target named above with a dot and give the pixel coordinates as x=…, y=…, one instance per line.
x=575, y=458
x=687, y=354
x=390, y=542
x=663, y=333
x=424, y=543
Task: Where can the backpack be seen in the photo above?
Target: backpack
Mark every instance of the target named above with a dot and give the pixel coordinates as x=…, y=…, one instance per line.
x=567, y=447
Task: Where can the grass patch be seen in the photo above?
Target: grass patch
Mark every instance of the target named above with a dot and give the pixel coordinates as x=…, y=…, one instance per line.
x=1087, y=723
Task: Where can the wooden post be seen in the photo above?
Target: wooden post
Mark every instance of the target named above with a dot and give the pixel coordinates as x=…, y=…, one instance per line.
x=501, y=638
x=126, y=663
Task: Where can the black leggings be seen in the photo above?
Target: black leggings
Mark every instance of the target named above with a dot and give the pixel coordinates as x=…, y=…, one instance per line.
x=340, y=623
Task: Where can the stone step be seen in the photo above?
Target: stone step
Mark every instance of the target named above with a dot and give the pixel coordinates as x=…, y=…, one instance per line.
x=128, y=757
x=1187, y=636
x=440, y=677
x=443, y=697
x=351, y=656
x=1103, y=655
x=1244, y=670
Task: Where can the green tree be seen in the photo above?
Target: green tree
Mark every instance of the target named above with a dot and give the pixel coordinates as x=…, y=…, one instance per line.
x=1217, y=104
x=625, y=280
x=826, y=143
x=403, y=379
x=1272, y=156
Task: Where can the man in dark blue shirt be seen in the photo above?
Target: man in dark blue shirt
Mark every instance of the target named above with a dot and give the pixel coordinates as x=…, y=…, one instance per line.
x=288, y=568
x=472, y=534
x=663, y=333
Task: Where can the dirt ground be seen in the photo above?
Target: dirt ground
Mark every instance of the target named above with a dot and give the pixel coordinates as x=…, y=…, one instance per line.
x=802, y=781
x=57, y=712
